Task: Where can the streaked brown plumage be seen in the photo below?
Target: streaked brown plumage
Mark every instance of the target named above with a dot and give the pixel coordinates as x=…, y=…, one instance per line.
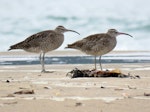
x=43, y=42
x=97, y=44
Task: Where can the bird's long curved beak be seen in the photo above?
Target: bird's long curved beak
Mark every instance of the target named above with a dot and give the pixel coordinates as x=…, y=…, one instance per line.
x=73, y=31
x=120, y=33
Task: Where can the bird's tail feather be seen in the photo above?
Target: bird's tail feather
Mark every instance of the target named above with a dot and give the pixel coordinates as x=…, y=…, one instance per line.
x=16, y=46
x=69, y=46
x=76, y=45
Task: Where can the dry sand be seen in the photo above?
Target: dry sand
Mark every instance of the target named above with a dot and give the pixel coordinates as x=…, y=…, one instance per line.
x=54, y=92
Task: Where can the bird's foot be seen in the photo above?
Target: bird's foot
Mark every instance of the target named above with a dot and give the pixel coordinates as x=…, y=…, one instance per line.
x=44, y=71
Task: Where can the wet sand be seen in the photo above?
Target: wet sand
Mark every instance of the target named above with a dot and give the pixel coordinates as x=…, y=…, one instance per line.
x=54, y=92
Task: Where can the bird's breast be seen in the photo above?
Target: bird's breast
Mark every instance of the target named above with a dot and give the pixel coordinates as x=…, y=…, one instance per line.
x=106, y=46
x=52, y=43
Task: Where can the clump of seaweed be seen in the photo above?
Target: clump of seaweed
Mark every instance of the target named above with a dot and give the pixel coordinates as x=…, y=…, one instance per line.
x=75, y=73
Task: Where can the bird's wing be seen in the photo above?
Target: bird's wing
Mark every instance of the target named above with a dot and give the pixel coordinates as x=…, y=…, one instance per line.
x=95, y=37
x=92, y=40
x=37, y=36
x=88, y=43
x=36, y=39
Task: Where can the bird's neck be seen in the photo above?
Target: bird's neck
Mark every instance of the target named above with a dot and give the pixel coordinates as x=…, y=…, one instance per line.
x=58, y=31
x=112, y=36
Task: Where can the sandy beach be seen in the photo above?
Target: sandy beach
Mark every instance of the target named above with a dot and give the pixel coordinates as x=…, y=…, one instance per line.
x=54, y=92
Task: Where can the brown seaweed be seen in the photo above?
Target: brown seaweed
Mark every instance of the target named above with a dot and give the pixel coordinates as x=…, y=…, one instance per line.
x=75, y=73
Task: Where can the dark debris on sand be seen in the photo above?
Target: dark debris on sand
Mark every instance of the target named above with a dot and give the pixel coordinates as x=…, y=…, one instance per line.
x=75, y=73
x=25, y=92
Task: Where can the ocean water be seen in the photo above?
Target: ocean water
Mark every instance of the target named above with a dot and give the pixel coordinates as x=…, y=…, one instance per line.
x=124, y=58
x=22, y=18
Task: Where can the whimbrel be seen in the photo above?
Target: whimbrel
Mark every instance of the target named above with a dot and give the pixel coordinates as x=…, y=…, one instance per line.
x=98, y=44
x=43, y=42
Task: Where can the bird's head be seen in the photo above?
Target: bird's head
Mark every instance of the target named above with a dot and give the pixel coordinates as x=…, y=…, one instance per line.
x=115, y=33
x=62, y=29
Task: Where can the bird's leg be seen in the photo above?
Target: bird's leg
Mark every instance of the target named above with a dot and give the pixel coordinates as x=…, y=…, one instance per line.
x=42, y=60
x=40, y=57
x=100, y=63
x=95, y=62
